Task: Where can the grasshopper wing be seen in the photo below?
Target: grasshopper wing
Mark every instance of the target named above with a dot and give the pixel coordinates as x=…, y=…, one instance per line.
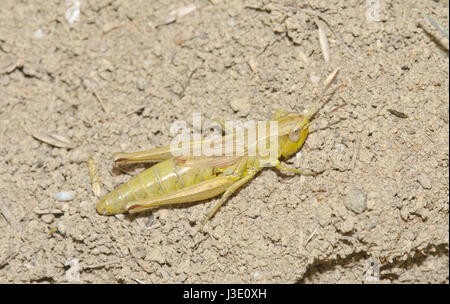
x=158, y=154
x=146, y=156
x=191, y=153
x=221, y=153
x=206, y=161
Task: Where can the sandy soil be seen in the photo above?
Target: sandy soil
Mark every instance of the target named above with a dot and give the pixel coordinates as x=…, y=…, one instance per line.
x=239, y=61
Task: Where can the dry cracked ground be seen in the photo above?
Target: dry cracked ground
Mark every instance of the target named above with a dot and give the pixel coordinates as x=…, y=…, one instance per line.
x=114, y=75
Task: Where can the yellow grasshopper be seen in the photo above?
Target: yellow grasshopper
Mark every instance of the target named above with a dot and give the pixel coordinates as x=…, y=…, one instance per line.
x=185, y=179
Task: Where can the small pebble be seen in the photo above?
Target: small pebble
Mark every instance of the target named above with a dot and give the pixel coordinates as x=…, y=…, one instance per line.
x=61, y=228
x=103, y=249
x=78, y=156
x=419, y=206
x=404, y=213
x=372, y=200
x=163, y=215
x=141, y=83
x=73, y=272
x=314, y=78
x=65, y=196
x=73, y=12
x=373, y=270
x=356, y=200
x=324, y=216
x=347, y=225
x=139, y=252
x=39, y=34
x=85, y=209
x=181, y=277
x=372, y=225
x=164, y=274
x=424, y=181
x=149, y=221
x=65, y=207
x=339, y=148
x=231, y=22
x=34, y=145
x=242, y=106
x=157, y=256
x=48, y=218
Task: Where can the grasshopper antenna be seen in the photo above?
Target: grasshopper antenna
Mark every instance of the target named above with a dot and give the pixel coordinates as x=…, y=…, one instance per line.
x=330, y=79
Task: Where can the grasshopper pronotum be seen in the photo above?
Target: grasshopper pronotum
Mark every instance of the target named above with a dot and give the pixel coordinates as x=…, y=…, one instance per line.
x=182, y=179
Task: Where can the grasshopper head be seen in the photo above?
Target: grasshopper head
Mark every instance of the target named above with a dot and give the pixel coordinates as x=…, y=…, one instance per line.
x=292, y=132
x=293, y=127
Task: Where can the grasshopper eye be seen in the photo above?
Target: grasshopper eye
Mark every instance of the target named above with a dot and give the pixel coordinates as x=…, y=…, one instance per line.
x=295, y=133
